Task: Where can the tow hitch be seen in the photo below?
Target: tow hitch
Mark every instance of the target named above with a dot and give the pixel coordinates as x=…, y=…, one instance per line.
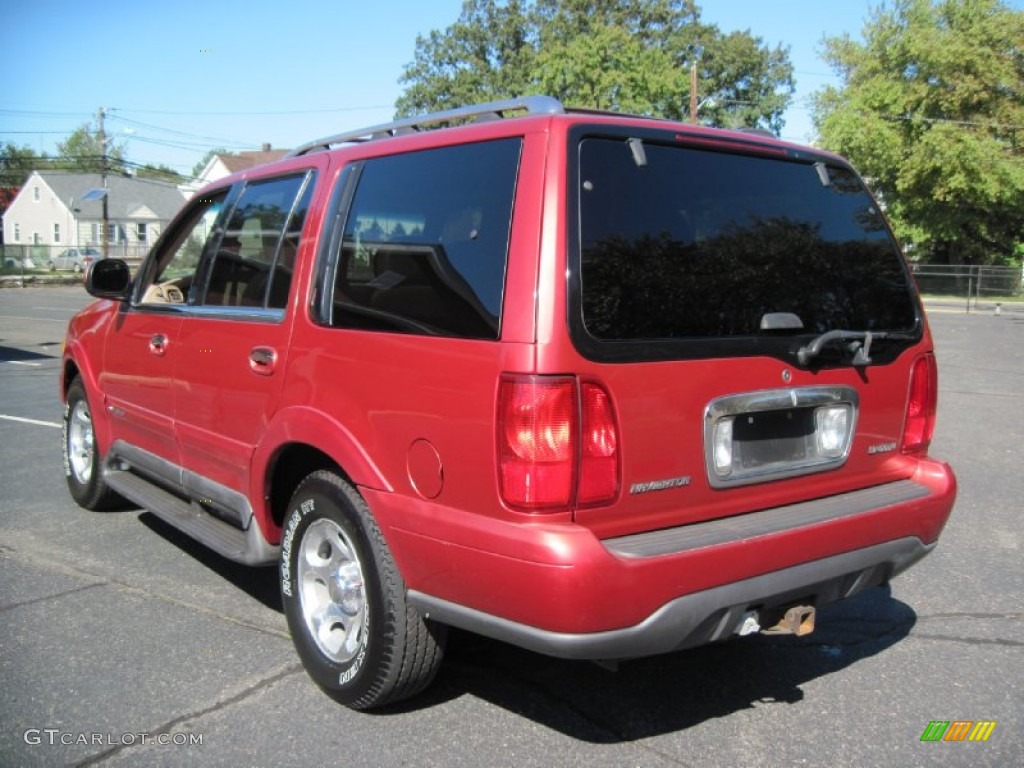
x=798, y=620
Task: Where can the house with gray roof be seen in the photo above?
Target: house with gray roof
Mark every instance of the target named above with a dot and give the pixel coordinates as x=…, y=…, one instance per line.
x=50, y=214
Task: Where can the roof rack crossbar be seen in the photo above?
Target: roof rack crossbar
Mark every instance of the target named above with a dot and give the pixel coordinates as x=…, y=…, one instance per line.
x=531, y=105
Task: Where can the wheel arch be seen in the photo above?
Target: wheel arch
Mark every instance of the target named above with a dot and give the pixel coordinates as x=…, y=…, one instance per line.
x=74, y=367
x=300, y=441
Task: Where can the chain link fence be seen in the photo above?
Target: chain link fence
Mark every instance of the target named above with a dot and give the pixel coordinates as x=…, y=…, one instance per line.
x=976, y=287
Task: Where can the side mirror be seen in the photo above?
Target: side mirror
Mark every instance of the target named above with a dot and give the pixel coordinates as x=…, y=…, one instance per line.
x=108, y=279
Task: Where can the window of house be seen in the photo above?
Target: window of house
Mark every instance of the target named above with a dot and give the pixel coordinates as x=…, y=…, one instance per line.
x=56, y=232
x=94, y=236
x=17, y=232
x=256, y=256
x=36, y=240
x=140, y=231
x=35, y=194
x=426, y=242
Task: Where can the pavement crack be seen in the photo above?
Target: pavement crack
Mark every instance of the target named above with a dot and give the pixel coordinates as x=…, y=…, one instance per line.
x=167, y=727
x=965, y=615
x=84, y=573
x=44, y=598
x=971, y=640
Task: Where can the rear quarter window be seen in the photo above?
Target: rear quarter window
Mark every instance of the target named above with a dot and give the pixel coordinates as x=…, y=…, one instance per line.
x=425, y=242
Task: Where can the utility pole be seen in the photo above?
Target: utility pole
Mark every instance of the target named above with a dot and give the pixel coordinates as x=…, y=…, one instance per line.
x=693, y=92
x=103, y=177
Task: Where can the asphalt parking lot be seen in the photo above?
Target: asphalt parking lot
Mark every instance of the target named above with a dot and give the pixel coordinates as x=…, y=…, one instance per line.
x=123, y=643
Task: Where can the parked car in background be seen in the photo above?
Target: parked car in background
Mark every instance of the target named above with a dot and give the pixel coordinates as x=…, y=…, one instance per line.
x=77, y=259
x=12, y=262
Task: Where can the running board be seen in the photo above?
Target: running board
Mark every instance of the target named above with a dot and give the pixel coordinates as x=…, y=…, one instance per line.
x=242, y=546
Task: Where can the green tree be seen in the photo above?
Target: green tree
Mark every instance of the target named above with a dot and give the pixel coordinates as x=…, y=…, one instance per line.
x=487, y=54
x=161, y=172
x=17, y=163
x=628, y=55
x=83, y=151
x=931, y=110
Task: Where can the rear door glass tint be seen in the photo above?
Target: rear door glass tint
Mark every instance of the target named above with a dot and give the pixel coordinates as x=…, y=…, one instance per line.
x=699, y=244
x=425, y=243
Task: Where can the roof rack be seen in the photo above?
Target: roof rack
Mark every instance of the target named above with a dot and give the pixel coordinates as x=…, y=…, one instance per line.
x=531, y=105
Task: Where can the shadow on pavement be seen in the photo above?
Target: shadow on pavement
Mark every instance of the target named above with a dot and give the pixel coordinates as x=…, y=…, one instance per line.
x=13, y=354
x=262, y=584
x=665, y=694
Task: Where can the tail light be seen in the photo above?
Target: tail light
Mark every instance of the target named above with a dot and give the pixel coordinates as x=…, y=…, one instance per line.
x=557, y=443
x=919, y=422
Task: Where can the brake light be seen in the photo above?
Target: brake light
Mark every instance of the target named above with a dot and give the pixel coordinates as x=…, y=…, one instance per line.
x=557, y=443
x=919, y=422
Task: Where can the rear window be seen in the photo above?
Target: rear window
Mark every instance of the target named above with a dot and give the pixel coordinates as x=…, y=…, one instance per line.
x=681, y=243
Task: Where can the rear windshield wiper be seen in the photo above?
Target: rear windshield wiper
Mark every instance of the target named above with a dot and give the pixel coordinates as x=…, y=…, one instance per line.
x=857, y=343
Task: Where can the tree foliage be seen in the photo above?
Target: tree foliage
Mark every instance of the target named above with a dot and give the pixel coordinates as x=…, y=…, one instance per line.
x=932, y=111
x=82, y=151
x=161, y=172
x=626, y=55
x=17, y=164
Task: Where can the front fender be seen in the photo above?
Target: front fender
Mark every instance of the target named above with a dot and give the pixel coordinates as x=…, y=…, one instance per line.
x=83, y=350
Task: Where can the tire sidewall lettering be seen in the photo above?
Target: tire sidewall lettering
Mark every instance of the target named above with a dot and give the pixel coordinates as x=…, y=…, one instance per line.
x=64, y=432
x=346, y=676
x=288, y=541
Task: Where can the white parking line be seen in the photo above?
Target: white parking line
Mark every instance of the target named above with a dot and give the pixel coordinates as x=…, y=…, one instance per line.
x=37, y=422
x=22, y=362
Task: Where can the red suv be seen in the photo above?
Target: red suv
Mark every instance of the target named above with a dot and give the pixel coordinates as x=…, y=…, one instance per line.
x=597, y=385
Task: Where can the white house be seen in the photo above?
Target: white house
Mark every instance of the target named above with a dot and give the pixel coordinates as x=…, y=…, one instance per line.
x=223, y=165
x=49, y=213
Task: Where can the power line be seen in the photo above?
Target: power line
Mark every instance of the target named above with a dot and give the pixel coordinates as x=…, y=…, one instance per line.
x=261, y=113
x=175, y=132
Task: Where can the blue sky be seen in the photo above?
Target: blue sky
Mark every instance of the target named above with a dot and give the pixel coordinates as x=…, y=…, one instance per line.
x=179, y=78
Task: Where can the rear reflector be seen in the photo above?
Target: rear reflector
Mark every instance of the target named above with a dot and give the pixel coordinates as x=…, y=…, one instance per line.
x=599, y=460
x=919, y=423
x=557, y=443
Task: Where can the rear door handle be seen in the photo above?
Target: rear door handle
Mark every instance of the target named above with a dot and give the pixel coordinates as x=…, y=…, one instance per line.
x=158, y=344
x=262, y=360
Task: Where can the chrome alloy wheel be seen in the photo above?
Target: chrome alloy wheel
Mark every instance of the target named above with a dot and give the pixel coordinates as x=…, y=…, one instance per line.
x=332, y=592
x=81, y=448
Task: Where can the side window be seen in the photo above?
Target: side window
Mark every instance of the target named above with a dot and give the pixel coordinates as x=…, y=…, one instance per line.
x=425, y=243
x=256, y=255
x=171, y=277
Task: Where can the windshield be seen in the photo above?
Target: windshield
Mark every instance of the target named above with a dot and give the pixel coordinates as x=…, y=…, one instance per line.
x=684, y=243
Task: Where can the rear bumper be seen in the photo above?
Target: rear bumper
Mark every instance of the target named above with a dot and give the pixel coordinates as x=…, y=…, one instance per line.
x=556, y=588
x=699, y=618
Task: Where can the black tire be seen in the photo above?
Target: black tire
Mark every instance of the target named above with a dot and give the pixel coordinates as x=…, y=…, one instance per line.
x=345, y=601
x=82, y=461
